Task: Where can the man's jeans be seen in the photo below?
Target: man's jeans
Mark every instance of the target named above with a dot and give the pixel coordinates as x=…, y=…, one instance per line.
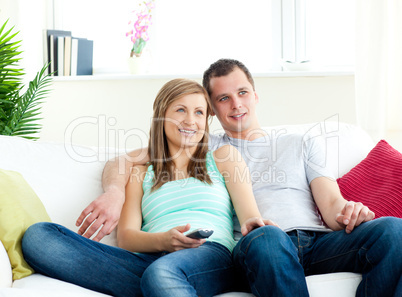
x=57, y=252
x=275, y=263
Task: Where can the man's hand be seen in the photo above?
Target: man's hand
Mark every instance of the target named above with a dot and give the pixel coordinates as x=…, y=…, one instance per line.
x=254, y=223
x=103, y=213
x=353, y=214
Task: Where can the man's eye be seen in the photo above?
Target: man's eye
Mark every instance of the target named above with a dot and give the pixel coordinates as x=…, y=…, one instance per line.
x=242, y=92
x=223, y=98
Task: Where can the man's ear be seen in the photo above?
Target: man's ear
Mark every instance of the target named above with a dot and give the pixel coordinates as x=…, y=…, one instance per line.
x=257, y=99
x=212, y=111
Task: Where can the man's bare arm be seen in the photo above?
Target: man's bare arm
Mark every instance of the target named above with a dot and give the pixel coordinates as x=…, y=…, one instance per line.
x=337, y=212
x=104, y=212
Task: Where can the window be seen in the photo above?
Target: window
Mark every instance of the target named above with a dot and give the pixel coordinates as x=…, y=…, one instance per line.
x=330, y=34
x=195, y=33
x=188, y=35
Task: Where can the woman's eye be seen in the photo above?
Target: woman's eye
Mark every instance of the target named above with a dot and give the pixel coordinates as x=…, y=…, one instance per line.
x=180, y=110
x=199, y=112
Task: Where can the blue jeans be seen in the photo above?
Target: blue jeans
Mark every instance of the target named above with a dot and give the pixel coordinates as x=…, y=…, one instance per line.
x=60, y=253
x=275, y=263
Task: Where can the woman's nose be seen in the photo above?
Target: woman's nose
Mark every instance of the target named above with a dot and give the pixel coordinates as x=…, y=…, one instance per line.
x=189, y=120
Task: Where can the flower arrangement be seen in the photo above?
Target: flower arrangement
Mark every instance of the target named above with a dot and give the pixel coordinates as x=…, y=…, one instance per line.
x=139, y=27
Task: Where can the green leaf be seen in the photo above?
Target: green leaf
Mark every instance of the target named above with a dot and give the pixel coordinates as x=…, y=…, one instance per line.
x=19, y=114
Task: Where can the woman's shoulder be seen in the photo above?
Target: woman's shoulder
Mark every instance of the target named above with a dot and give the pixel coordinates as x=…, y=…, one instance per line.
x=227, y=157
x=226, y=153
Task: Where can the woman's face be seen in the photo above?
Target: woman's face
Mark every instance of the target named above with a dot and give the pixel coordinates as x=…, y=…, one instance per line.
x=185, y=121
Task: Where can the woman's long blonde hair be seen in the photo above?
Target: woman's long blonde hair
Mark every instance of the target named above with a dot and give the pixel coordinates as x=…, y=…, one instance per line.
x=158, y=150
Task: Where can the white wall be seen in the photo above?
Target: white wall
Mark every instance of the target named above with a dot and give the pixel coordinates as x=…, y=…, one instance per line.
x=117, y=112
x=109, y=111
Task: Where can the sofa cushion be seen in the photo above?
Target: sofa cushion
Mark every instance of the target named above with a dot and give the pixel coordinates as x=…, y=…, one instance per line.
x=6, y=275
x=20, y=208
x=376, y=181
x=43, y=286
x=328, y=285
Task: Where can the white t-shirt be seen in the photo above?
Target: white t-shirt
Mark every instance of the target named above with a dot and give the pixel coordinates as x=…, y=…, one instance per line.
x=282, y=166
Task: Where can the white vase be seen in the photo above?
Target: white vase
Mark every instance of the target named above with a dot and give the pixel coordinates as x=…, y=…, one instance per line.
x=135, y=65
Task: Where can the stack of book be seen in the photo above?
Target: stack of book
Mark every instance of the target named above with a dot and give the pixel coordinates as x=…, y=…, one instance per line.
x=67, y=55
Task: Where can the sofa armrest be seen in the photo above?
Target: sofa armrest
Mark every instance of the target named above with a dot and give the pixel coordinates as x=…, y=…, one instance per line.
x=6, y=276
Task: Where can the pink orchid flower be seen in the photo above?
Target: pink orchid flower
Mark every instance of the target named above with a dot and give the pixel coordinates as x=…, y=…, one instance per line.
x=142, y=19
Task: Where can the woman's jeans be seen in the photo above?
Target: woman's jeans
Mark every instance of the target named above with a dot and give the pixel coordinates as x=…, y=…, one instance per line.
x=60, y=253
x=275, y=263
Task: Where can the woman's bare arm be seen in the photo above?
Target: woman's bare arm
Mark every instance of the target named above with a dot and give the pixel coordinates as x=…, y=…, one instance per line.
x=238, y=182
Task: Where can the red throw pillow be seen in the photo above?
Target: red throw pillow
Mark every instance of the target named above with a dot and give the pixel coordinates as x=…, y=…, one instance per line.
x=376, y=181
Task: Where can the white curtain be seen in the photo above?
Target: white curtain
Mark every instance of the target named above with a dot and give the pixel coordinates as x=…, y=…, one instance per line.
x=379, y=68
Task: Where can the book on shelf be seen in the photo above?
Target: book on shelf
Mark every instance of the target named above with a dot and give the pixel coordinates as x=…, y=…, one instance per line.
x=60, y=55
x=67, y=55
x=54, y=48
x=81, y=56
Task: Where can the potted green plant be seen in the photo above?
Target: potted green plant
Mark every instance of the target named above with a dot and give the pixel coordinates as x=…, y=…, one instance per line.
x=19, y=112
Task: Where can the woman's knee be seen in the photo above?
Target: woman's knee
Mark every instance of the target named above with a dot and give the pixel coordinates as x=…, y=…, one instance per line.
x=157, y=276
x=34, y=236
x=158, y=270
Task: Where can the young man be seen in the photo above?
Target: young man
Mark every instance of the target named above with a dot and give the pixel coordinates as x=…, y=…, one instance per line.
x=275, y=260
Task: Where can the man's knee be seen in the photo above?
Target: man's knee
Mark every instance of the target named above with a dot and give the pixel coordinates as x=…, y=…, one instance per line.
x=388, y=229
x=390, y=224
x=264, y=238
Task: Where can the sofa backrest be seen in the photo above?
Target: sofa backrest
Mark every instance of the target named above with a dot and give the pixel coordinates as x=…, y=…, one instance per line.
x=68, y=178
x=346, y=145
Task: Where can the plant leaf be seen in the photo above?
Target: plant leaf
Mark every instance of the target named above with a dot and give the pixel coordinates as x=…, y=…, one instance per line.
x=19, y=114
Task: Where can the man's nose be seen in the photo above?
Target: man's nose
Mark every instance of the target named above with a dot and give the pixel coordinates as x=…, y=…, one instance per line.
x=236, y=103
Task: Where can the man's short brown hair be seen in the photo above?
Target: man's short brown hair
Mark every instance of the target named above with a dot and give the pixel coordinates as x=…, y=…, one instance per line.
x=223, y=67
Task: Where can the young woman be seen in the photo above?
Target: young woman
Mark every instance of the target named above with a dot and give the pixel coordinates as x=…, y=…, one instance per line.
x=184, y=187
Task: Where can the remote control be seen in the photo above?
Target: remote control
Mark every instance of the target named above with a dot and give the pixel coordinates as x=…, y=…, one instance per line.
x=200, y=233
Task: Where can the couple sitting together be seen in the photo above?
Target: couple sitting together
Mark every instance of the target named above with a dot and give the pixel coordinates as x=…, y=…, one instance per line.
x=186, y=179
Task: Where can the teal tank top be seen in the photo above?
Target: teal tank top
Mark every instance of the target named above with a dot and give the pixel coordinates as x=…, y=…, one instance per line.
x=189, y=201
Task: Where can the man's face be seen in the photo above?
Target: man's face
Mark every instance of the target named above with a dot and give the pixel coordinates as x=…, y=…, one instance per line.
x=233, y=102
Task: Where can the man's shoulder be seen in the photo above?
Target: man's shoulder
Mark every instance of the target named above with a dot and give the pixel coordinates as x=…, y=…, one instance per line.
x=216, y=136
x=216, y=141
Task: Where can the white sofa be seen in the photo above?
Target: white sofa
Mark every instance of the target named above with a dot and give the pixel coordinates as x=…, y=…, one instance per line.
x=68, y=178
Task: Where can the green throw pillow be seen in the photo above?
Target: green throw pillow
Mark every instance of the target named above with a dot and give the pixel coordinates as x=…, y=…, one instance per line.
x=20, y=208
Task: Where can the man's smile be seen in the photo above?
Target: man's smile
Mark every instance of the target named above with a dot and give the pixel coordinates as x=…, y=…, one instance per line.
x=238, y=116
